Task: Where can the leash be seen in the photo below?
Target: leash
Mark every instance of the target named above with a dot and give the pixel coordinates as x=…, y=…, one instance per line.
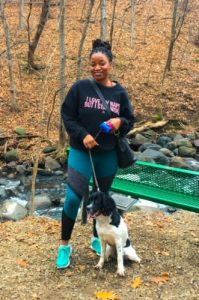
x=93, y=168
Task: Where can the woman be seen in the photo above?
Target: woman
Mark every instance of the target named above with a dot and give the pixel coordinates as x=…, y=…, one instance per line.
x=82, y=113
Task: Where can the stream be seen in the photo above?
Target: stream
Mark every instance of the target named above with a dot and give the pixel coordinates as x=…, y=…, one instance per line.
x=50, y=191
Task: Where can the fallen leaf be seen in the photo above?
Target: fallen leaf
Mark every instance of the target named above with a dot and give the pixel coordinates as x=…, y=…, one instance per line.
x=82, y=268
x=137, y=282
x=22, y=263
x=163, y=278
x=165, y=253
x=106, y=295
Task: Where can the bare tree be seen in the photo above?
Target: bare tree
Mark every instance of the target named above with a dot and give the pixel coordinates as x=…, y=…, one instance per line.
x=13, y=93
x=177, y=23
x=62, y=136
x=133, y=13
x=83, y=38
x=22, y=23
x=112, y=21
x=104, y=20
x=33, y=45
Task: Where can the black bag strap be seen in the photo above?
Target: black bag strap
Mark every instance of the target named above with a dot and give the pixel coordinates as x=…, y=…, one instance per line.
x=101, y=96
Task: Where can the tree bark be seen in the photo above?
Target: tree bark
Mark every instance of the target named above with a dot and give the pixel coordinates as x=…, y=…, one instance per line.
x=13, y=93
x=112, y=21
x=172, y=38
x=62, y=69
x=40, y=28
x=133, y=13
x=104, y=20
x=84, y=33
x=22, y=23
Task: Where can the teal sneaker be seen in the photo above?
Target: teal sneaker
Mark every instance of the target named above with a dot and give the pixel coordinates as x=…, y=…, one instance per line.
x=63, y=257
x=96, y=245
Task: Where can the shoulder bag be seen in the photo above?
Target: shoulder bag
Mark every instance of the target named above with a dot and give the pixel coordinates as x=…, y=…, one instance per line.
x=124, y=152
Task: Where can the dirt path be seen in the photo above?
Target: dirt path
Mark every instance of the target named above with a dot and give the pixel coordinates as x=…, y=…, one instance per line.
x=168, y=246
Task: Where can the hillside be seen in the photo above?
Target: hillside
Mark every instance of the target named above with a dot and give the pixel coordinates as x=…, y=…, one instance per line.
x=139, y=68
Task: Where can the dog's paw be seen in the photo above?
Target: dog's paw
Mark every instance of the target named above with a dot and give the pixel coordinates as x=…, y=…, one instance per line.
x=138, y=260
x=121, y=272
x=99, y=266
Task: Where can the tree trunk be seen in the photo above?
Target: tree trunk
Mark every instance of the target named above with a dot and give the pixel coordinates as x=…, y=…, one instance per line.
x=40, y=28
x=84, y=33
x=62, y=72
x=133, y=12
x=22, y=23
x=112, y=21
x=172, y=39
x=13, y=94
x=104, y=20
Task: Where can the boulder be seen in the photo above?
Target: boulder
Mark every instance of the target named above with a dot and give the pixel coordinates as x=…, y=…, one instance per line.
x=20, y=131
x=186, y=151
x=11, y=210
x=164, y=140
x=41, y=202
x=11, y=155
x=149, y=146
x=51, y=164
x=155, y=156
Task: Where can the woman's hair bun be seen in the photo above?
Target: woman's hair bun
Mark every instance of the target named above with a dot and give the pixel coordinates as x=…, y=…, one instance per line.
x=98, y=43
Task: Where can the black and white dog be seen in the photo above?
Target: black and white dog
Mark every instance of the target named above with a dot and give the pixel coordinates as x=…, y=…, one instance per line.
x=112, y=231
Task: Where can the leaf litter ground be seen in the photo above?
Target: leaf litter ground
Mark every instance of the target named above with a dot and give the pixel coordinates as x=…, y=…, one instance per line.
x=168, y=246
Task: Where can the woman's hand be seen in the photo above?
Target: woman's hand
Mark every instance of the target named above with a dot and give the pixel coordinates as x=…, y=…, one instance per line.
x=116, y=123
x=89, y=142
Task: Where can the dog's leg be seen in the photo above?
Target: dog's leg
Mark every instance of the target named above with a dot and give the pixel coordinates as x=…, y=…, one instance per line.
x=110, y=252
x=102, y=256
x=120, y=261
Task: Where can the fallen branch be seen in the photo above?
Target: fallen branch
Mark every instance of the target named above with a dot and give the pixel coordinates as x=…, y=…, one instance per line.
x=148, y=125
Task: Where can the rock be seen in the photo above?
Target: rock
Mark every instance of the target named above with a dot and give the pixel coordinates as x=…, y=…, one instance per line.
x=192, y=164
x=149, y=146
x=186, y=151
x=51, y=164
x=2, y=193
x=11, y=210
x=149, y=134
x=196, y=143
x=184, y=143
x=164, y=140
x=11, y=155
x=167, y=152
x=154, y=155
x=21, y=169
x=20, y=131
x=59, y=173
x=41, y=202
x=172, y=145
x=49, y=149
x=178, y=162
x=177, y=137
x=3, y=181
x=141, y=138
x=11, y=176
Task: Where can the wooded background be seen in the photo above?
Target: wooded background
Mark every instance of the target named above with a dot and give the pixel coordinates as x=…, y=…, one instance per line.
x=45, y=46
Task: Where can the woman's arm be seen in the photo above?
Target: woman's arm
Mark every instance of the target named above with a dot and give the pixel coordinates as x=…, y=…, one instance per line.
x=69, y=113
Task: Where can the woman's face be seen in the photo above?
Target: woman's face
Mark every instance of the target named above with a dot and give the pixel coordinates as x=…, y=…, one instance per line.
x=100, y=66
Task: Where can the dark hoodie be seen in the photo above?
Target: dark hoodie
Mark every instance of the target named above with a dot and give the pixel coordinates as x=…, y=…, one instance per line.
x=82, y=112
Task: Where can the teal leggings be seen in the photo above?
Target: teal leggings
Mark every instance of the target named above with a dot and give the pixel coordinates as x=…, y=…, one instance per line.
x=79, y=174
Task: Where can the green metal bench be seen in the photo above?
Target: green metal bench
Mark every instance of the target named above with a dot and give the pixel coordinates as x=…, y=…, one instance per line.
x=158, y=183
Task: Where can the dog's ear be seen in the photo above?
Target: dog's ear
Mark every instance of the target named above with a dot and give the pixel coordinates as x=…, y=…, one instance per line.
x=108, y=204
